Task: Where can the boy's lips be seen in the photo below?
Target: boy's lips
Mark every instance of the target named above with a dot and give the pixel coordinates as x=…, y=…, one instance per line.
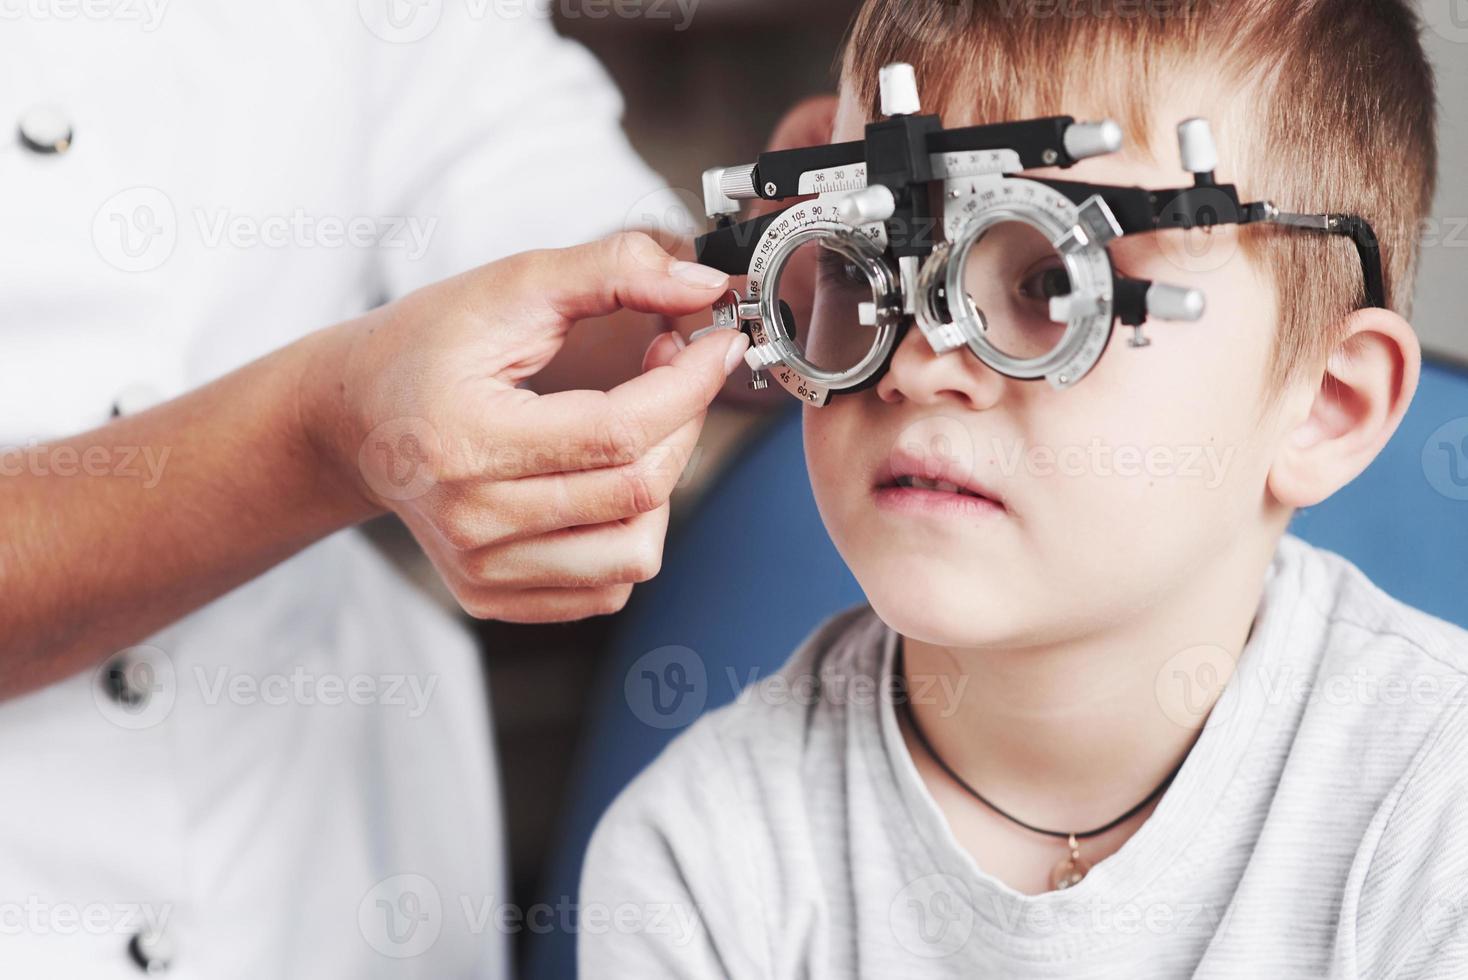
x=912, y=482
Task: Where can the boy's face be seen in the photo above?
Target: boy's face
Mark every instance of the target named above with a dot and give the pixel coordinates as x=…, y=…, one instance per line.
x=1110, y=494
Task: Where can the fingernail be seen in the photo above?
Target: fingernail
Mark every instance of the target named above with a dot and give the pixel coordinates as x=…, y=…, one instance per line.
x=735, y=356
x=678, y=340
x=698, y=276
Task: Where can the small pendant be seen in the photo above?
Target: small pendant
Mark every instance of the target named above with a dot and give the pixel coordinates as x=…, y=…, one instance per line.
x=1070, y=869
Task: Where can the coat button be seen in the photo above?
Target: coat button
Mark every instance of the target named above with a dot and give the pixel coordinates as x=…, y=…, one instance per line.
x=135, y=398
x=44, y=129
x=137, y=688
x=128, y=681
x=152, y=950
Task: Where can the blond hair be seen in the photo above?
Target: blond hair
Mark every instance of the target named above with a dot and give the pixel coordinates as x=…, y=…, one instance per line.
x=1333, y=103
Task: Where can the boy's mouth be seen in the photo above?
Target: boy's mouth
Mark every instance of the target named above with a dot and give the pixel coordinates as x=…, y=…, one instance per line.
x=909, y=482
x=942, y=486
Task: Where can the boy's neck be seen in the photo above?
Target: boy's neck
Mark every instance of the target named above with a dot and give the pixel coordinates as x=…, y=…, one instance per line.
x=1072, y=735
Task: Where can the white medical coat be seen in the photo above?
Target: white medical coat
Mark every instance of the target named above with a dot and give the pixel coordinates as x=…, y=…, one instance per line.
x=296, y=780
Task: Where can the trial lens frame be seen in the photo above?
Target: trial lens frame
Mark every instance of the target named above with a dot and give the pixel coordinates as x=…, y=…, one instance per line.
x=875, y=193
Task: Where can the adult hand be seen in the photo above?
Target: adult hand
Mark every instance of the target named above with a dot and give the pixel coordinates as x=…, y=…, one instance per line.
x=533, y=508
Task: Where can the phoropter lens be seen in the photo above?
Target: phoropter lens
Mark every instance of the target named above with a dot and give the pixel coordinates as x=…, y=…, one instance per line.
x=1010, y=276
x=833, y=288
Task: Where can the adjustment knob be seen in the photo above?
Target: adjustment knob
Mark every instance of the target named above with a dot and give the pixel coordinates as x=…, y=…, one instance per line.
x=1196, y=147
x=899, y=90
x=739, y=183
x=868, y=205
x=1092, y=139
x=1072, y=306
x=1174, y=302
x=762, y=356
x=715, y=201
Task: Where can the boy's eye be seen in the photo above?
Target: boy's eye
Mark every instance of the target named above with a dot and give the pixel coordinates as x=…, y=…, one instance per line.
x=836, y=270
x=1041, y=283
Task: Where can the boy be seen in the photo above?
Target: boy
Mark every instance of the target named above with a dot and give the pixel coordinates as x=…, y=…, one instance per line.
x=1134, y=729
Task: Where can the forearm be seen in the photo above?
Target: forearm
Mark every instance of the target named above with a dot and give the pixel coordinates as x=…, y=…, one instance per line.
x=108, y=536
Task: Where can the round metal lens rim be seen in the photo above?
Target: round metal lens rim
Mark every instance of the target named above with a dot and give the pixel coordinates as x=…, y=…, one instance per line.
x=963, y=312
x=865, y=254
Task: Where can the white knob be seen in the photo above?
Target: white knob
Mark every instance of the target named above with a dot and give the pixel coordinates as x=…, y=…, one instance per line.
x=1092, y=139
x=738, y=182
x=899, y=90
x=1071, y=306
x=868, y=205
x=715, y=201
x=1174, y=302
x=762, y=356
x=1195, y=145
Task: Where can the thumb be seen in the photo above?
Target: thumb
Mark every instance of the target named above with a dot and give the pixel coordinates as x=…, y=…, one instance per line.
x=624, y=271
x=644, y=410
x=662, y=350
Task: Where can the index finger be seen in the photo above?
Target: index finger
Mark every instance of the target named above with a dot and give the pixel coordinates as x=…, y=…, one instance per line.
x=628, y=270
x=581, y=430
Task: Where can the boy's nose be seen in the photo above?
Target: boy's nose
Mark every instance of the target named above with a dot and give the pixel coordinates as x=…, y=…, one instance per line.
x=918, y=375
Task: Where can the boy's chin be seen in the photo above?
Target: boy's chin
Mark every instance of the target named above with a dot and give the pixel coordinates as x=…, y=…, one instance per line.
x=945, y=613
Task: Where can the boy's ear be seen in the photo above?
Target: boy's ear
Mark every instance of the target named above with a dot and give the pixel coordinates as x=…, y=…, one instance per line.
x=1369, y=380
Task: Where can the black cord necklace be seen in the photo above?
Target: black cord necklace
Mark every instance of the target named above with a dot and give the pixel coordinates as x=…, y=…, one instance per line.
x=1070, y=869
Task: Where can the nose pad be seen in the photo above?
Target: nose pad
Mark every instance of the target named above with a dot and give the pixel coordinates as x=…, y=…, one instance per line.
x=932, y=309
x=916, y=373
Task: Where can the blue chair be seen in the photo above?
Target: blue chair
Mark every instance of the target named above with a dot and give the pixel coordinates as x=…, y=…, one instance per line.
x=749, y=575
x=1404, y=522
